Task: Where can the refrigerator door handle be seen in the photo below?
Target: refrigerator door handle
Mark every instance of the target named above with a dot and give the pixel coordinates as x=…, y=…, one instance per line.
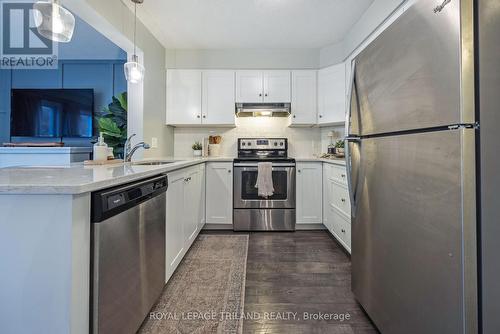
x=350, y=180
x=349, y=99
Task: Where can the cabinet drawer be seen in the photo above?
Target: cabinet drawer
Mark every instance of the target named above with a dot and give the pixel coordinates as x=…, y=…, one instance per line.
x=336, y=173
x=340, y=199
x=341, y=228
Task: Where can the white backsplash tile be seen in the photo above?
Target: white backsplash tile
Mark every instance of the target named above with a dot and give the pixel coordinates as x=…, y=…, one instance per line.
x=303, y=142
x=338, y=133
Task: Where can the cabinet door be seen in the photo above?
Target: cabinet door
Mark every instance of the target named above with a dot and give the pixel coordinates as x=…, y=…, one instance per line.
x=174, y=228
x=202, y=187
x=249, y=86
x=219, y=183
x=304, y=97
x=309, y=194
x=331, y=94
x=218, y=97
x=277, y=87
x=192, y=196
x=183, y=97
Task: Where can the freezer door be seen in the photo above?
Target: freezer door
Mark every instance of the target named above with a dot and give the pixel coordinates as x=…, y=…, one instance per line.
x=407, y=237
x=409, y=77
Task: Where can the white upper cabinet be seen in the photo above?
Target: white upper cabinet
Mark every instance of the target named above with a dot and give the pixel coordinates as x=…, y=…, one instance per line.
x=304, y=97
x=249, y=86
x=196, y=97
x=263, y=86
x=218, y=97
x=277, y=87
x=183, y=97
x=332, y=94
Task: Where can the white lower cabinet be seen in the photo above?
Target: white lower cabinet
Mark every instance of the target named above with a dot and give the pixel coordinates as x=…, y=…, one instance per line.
x=185, y=213
x=336, y=204
x=219, y=194
x=309, y=194
x=340, y=228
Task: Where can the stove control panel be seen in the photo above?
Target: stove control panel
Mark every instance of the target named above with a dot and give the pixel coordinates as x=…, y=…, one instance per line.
x=262, y=144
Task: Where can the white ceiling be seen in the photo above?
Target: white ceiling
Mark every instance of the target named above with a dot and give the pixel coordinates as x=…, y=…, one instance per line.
x=245, y=24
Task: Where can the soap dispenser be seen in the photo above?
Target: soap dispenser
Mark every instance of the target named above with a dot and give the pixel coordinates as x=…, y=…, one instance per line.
x=100, y=149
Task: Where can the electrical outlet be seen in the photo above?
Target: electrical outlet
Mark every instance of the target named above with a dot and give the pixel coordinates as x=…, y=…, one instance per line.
x=154, y=142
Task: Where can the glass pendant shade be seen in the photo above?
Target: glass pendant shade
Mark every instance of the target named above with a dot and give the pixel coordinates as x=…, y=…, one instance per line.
x=134, y=72
x=53, y=21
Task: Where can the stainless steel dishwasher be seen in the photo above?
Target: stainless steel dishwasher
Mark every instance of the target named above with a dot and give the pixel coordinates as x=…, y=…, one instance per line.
x=128, y=254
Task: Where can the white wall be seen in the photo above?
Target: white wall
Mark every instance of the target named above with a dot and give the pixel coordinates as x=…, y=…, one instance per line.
x=378, y=12
x=303, y=142
x=243, y=59
x=115, y=16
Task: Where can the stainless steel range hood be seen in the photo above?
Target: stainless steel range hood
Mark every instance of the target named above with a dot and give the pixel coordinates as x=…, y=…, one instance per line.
x=262, y=109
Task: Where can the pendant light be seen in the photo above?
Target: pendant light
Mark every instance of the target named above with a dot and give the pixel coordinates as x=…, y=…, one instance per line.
x=134, y=72
x=53, y=21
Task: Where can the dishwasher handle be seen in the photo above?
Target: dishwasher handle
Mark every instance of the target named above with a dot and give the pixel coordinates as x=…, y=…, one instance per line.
x=112, y=201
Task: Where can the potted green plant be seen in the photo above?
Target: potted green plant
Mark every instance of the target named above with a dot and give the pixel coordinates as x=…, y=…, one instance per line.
x=197, y=147
x=112, y=122
x=339, y=148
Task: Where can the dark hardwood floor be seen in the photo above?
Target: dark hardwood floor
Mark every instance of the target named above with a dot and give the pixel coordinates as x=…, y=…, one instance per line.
x=298, y=273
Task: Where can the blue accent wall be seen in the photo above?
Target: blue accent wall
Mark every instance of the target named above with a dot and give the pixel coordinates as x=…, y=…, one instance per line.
x=106, y=77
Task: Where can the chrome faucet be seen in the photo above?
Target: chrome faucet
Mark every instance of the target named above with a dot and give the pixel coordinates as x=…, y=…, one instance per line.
x=128, y=150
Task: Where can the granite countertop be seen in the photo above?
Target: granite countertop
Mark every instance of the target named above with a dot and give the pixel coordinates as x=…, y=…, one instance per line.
x=78, y=179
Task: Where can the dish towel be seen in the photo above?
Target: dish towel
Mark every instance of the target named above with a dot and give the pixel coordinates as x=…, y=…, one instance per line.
x=265, y=179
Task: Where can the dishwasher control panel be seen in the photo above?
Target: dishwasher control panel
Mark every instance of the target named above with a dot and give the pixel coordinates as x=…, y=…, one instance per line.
x=111, y=201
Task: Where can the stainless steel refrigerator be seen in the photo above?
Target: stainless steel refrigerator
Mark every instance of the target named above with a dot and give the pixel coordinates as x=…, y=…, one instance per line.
x=416, y=160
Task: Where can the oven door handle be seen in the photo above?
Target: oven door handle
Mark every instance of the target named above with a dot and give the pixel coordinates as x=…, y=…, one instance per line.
x=245, y=164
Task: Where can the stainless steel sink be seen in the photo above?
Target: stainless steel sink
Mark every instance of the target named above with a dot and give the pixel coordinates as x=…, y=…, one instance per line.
x=152, y=163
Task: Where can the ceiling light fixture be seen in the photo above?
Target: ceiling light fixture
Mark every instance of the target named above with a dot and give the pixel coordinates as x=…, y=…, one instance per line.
x=53, y=21
x=134, y=72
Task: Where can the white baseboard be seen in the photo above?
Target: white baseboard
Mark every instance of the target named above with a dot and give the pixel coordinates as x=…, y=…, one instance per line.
x=218, y=227
x=302, y=227
x=298, y=227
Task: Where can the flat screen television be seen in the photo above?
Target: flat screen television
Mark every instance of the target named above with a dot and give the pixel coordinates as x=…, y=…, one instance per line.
x=52, y=113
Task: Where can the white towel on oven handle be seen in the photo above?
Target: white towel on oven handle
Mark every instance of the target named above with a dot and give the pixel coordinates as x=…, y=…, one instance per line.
x=265, y=179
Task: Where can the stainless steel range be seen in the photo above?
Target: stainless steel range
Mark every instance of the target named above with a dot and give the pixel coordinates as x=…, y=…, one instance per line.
x=250, y=211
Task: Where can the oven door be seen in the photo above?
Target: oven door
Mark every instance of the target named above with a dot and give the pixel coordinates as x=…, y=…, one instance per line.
x=246, y=194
